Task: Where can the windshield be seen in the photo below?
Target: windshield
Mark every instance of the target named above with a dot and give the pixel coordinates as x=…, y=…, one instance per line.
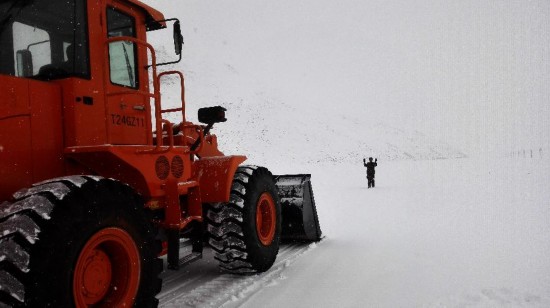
x=43, y=39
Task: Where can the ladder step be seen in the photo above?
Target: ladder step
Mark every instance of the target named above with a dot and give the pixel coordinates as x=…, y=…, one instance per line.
x=171, y=110
x=194, y=256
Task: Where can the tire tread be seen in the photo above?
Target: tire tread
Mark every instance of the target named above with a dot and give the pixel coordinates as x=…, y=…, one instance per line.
x=225, y=223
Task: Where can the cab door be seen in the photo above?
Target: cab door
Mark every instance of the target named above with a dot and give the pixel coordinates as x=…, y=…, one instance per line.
x=128, y=110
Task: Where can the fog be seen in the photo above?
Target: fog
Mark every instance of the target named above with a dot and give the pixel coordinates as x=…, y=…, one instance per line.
x=471, y=73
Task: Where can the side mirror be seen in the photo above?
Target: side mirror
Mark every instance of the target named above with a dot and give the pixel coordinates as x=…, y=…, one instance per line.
x=24, y=63
x=211, y=115
x=176, y=35
x=178, y=38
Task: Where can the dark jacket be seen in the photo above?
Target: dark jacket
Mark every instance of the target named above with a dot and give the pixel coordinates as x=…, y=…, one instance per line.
x=370, y=168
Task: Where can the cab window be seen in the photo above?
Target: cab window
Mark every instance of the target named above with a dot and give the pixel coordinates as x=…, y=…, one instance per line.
x=122, y=54
x=44, y=39
x=33, y=49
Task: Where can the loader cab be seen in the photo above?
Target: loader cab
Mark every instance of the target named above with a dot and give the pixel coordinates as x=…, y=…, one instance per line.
x=103, y=85
x=64, y=84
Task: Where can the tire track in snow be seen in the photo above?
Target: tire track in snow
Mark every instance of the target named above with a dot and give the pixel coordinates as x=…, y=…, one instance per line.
x=215, y=289
x=183, y=290
x=493, y=297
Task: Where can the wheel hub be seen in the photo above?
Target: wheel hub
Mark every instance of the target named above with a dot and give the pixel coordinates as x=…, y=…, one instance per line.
x=107, y=272
x=96, y=277
x=265, y=219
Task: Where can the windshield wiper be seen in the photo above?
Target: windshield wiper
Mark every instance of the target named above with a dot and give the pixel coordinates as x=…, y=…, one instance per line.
x=128, y=66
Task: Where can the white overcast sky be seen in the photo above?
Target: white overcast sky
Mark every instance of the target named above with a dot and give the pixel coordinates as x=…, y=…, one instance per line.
x=473, y=73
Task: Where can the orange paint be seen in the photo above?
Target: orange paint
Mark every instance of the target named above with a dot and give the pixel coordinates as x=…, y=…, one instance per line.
x=94, y=125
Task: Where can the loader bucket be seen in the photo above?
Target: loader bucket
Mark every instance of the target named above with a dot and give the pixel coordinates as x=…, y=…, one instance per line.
x=300, y=221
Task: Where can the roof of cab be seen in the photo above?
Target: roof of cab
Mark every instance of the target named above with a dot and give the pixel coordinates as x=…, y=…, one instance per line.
x=154, y=18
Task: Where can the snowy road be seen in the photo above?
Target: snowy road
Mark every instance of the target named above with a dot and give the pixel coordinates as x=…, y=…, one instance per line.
x=202, y=284
x=446, y=233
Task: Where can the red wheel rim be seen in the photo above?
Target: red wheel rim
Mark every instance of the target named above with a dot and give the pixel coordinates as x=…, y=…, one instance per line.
x=107, y=271
x=266, y=218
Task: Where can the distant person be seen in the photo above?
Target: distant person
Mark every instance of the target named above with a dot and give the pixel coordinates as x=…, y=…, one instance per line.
x=370, y=170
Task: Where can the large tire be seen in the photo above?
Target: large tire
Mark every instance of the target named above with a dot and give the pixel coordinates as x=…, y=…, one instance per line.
x=245, y=232
x=78, y=241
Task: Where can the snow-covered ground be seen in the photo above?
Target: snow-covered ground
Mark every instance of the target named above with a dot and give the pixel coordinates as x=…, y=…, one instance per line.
x=313, y=86
x=433, y=233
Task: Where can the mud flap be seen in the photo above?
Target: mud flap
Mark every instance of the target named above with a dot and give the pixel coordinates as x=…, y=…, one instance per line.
x=300, y=221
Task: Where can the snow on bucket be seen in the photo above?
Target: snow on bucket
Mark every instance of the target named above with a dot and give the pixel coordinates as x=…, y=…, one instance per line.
x=300, y=220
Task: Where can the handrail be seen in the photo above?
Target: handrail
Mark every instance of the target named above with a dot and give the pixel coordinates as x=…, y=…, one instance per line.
x=155, y=95
x=182, y=85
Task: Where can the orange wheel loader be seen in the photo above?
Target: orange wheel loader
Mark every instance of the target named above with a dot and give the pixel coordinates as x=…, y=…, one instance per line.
x=97, y=188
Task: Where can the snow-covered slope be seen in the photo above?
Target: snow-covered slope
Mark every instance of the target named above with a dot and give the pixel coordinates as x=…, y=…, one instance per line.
x=281, y=118
x=269, y=128
x=472, y=73
x=272, y=130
